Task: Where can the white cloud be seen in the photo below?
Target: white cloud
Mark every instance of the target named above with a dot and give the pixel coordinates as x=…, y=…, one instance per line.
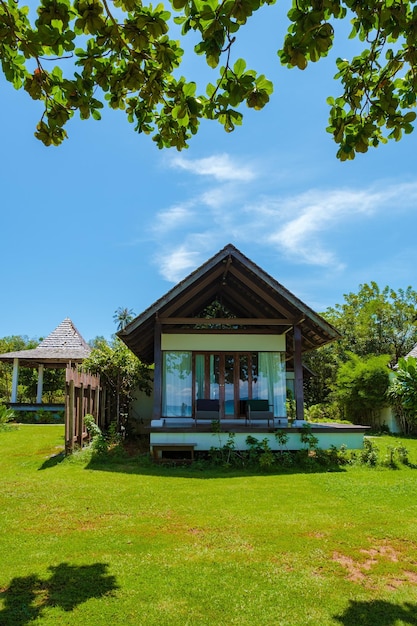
x=220, y=166
x=174, y=217
x=317, y=213
x=302, y=228
x=178, y=263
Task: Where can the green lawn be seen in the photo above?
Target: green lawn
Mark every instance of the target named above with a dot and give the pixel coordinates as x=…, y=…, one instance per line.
x=84, y=544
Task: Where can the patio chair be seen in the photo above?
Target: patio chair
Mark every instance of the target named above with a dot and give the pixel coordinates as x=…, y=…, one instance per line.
x=258, y=410
x=207, y=410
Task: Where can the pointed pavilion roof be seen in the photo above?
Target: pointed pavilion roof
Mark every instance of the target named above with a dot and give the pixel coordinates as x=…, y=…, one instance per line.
x=244, y=289
x=65, y=344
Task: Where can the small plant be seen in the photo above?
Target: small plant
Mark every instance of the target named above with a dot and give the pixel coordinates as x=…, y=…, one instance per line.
x=307, y=437
x=396, y=455
x=91, y=427
x=403, y=454
x=226, y=455
x=98, y=440
x=6, y=416
x=370, y=453
x=282, y=438
x=260, y=453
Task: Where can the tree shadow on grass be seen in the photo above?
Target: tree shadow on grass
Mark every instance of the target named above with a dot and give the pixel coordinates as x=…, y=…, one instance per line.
x=53, y=461
x=378, y=613
x=27, y=597
x=144, y=465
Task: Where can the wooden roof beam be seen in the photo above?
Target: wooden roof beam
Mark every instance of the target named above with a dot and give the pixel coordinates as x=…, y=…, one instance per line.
x=260, y=292
x=226, y=321
x=190, y=293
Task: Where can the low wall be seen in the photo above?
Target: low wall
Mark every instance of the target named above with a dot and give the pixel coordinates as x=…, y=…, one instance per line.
x=350, y=437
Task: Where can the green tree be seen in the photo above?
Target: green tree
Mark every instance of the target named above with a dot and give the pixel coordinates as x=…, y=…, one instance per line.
x=361, y=387
x=373, y=321
x=121, y=373
x=376, y=321
x=77, y=53
x=402, y=393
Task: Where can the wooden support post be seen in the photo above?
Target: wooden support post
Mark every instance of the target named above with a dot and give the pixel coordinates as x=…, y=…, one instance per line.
x=89, y=399
x=298, y=375
x=70, y=433
x=80, y=416
x=157, y=374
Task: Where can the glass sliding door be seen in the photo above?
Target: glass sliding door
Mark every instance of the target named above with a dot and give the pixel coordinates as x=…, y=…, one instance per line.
x=231, y=377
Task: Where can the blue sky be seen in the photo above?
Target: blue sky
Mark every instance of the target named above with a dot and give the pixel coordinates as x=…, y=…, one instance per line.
x=108, y=220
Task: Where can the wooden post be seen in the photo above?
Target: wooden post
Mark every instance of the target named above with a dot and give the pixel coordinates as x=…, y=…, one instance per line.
x=89, y=399
x=157, y=373
x=70, y=433
x=80, y=416
x=298, y=375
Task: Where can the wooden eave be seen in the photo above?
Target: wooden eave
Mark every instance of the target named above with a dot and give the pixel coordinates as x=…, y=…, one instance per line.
x=259, y=302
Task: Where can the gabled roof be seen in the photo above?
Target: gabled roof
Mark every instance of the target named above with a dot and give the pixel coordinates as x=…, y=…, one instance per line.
x=241, y=287
x=64, y=344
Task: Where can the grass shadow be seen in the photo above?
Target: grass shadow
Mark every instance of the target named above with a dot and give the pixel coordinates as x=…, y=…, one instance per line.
x=144, y=465
x=378, y=612
x=27, y=597
x=53, y=461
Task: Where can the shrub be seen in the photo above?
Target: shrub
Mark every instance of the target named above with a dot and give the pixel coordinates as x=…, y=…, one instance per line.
x=324, y=412
x=6, y=416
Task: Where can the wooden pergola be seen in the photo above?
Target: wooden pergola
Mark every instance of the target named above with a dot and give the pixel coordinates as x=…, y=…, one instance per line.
x=258, y=304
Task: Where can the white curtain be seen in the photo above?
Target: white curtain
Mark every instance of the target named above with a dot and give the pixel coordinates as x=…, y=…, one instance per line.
x=176, y=384
x=271, y=381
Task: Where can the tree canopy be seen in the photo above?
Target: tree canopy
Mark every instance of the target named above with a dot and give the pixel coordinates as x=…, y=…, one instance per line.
x=374, y=321
x=76, y=54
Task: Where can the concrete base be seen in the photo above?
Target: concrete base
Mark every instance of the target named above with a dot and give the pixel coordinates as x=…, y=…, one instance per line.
x=184, y=433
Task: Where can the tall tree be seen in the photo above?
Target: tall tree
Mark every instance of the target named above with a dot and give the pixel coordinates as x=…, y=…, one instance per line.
x=123, y=316
x=376, y=321
x=124, y=54
x=373, y=321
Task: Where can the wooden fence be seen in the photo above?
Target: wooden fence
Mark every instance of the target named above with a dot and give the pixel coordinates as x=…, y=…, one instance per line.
x=82, y=397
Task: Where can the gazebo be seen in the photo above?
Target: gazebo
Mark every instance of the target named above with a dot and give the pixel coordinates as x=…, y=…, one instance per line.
x=62, y=348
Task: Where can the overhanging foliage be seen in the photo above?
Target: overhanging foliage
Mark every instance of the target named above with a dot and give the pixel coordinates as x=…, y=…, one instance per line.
x=123, y=53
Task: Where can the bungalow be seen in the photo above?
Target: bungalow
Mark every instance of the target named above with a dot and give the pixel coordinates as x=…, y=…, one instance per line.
x=227, y=345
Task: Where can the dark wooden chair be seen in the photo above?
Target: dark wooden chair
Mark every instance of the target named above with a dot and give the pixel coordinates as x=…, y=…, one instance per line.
x=258, y=410
x=207, y=410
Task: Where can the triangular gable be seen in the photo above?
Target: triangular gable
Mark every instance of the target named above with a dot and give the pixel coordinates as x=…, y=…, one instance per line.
x=253, y=296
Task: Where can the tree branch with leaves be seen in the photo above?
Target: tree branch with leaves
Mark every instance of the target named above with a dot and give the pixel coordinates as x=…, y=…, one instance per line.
x=124, y=55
